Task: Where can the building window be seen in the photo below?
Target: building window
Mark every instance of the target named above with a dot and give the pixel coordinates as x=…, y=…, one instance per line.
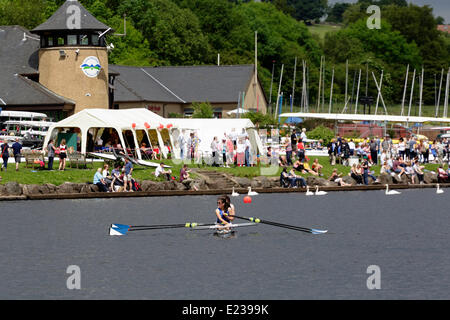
x=188, y=112
x=218, y=113
x=95, y=40
x=61, y=41
x=84, y=40
x=50, y=41
x=72, y=40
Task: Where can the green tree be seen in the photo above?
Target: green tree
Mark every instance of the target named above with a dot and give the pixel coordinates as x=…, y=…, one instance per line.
x=202, y=110
x=260, y=120
x=174, y=34
x=356, y=41
x=308, y=9
x=26, y=13
x=321, y=133
x=440, y=20
x=336, y=12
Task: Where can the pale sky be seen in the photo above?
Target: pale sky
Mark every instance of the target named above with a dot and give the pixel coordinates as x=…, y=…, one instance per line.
x=440, y=7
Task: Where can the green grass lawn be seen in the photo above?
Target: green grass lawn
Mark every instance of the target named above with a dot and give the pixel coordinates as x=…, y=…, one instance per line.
x=36, y=176
x=74, y=175
x=322, y=29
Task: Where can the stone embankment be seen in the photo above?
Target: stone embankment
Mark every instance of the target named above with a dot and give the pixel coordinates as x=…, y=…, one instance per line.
x=206, y=182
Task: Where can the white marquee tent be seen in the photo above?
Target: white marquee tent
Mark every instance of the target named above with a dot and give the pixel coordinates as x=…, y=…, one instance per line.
x=120, y=120
x=137, y=121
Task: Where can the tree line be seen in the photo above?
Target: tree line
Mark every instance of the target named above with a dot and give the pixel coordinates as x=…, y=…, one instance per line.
x=194, y=32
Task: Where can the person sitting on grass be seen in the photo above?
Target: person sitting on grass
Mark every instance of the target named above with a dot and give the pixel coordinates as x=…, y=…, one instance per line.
x=185, y=178
x=366, y=171
x=308, y=169
x=282, y=161
x=336, y=177
x=385, y=168
x=356, y=173
x=442, y=175
x=106, y=175
x=161, y=171
x=295, y=179
x=317, y=167
x=418, y=169
x=99, y=181
x=284, y=178
x=117, y=180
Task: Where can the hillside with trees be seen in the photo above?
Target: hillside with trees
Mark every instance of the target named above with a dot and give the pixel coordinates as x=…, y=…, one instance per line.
x=194, y=32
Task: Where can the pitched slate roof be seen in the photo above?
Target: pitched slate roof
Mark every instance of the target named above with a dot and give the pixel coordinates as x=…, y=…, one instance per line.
x=58, y=21
x=215, y=84
x=22, y=56
x=19, y=90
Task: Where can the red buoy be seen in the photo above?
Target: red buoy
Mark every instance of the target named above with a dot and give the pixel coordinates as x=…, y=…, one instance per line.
x=247, y=199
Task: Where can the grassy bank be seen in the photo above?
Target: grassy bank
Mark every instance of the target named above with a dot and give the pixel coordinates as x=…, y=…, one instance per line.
x=36, y=176
x=74, y=175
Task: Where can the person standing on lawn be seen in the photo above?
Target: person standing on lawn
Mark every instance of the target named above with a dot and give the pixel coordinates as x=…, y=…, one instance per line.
x=51, y=154
x=4, y=150
x=17, y=148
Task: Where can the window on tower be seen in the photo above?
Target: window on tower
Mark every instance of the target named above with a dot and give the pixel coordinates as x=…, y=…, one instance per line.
x=95, y=40
x=72, y=40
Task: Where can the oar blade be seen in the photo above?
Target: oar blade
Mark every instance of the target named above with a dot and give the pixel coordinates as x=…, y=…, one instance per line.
x=120, y=226
x=317, y=231
x=118, y=231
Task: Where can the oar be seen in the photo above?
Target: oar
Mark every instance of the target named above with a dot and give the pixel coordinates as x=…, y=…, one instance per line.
x=122, y=229
x=179, y=225
x=281, y=225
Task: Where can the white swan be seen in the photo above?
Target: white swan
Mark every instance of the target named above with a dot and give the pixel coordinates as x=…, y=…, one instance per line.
x=234, y=193
x=319, y=193
x=389, y=192
x=439, y=190
x=252, y=193
x=308, y=193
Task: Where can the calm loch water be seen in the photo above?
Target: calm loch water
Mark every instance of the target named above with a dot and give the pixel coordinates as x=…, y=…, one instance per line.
x=407, y=236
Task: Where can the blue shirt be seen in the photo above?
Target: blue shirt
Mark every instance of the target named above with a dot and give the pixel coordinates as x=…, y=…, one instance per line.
x=97, y=177
x=17, y=147
x=128, y=167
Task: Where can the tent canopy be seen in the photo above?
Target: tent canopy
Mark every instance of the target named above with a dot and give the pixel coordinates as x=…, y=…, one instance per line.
x=120, y=120
x=129, y=119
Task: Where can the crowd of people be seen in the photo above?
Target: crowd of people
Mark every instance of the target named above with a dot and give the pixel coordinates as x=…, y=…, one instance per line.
x=119, y=179
x=231, y=149
x=380, y=150
x=407, y=157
